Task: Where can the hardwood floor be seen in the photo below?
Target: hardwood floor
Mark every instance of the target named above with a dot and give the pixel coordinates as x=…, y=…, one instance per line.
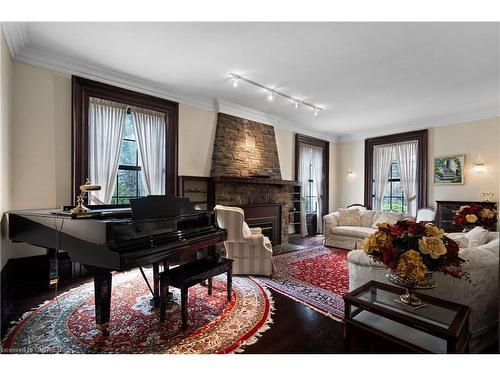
x=296, y=327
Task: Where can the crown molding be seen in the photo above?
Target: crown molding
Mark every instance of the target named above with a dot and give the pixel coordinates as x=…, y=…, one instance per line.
x=434, y=122
x=16, y=36
x=17, y=40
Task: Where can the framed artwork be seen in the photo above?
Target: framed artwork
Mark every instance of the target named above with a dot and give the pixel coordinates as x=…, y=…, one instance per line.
x=449, y=170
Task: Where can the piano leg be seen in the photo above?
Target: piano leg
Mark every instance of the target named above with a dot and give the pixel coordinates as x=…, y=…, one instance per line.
x=102, y=297
x=155, y=301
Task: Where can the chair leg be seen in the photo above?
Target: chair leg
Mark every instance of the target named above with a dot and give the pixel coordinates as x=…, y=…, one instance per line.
x=184, y=310
x=210, y=286
x=229, y=284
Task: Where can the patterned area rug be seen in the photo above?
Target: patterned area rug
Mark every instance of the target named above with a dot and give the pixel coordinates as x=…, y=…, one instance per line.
x=317, y=277
x=66, y=324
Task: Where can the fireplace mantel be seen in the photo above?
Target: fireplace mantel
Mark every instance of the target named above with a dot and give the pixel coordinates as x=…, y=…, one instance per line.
x=252, y=180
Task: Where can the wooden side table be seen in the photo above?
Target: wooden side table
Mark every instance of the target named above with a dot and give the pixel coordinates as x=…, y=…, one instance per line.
x=439, y=327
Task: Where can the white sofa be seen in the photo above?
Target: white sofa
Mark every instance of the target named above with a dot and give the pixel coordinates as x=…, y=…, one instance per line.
x=481, y=294
x=347, y=228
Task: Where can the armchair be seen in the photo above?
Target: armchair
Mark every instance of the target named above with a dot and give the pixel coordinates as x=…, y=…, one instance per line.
x=251, y=251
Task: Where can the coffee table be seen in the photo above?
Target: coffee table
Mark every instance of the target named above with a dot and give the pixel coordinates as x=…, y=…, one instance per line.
x=439, y=327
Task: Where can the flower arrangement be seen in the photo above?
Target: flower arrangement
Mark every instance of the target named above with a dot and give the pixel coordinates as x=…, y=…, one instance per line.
x=412, y=250
x=475, y=215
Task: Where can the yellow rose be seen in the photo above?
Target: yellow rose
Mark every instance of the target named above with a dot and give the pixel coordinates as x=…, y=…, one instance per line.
x=433, y=231
x=487, y=213
x=471, y=218
x=375, y=241
x=411, y=266
x=432, y=246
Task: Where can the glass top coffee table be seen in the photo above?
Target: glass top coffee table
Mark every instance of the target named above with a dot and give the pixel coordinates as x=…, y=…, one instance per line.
x=438, y=327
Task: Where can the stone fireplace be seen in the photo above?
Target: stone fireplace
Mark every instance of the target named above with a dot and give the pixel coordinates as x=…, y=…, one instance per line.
x=246, y=173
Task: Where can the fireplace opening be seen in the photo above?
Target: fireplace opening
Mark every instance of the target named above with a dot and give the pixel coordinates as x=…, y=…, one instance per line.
x=267, y=225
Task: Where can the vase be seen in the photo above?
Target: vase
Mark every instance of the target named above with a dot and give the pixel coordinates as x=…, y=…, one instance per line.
x=409, y=298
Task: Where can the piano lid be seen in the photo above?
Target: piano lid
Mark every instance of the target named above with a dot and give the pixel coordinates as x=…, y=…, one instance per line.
x=160, y=206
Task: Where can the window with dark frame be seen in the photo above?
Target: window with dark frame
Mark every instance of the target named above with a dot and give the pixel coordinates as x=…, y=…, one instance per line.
x=324, y=145
x=418, y=135
x=129, y=174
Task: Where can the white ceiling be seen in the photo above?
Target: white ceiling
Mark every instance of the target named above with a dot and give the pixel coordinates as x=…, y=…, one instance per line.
x=370, y=78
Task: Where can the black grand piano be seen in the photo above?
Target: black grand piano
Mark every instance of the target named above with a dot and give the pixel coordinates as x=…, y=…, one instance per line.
x=156, y=230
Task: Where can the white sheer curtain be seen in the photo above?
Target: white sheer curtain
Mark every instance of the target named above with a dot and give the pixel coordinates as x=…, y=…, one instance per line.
x=305, y=161
x=382, y=159
x=106, y=121
x=406, y=156
x=149, y=127
x=317, y=177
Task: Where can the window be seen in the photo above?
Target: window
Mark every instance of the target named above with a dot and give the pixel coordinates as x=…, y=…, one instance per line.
x=129, y=179
x=311, y=203
x=311, y=170
x=394, y=199
x=404, y=157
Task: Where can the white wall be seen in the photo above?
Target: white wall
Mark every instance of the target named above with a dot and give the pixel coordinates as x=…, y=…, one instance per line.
x=5, y=129
x=478, y=140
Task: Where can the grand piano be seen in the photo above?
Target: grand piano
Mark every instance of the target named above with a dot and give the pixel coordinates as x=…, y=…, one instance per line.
x=156, y=230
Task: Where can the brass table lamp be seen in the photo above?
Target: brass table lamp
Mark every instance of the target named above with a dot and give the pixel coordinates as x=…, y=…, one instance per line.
x=80, y=208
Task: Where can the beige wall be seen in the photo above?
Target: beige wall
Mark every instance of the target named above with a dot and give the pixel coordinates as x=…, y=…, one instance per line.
x=350, y=159
x=285, y=140
x=196, y=140
x=478, y=140
x=5, y=129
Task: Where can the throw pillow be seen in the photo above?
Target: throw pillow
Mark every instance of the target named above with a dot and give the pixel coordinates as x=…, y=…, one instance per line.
x=349, y=217
x=386, y=217
x=367, y=218
x=477, y=236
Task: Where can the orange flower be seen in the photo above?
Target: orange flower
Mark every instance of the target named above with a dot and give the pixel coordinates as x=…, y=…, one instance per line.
x=411, y=266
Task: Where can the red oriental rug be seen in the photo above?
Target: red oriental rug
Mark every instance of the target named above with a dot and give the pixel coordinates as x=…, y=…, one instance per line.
x=317, y=277
x=66, y=324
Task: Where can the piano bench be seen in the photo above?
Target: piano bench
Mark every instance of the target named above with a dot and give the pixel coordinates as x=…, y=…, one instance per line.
x=190, y=274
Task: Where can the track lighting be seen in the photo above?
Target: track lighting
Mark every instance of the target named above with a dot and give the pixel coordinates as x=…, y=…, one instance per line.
x=271, y=93
x=236, y=81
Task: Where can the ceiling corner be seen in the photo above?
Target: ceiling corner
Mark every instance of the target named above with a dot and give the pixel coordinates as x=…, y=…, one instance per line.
x=16, y=36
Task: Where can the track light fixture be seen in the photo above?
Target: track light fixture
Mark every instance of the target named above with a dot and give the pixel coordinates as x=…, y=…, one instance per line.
x=271, y=93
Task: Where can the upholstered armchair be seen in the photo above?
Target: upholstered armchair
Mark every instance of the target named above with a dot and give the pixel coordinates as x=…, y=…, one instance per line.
x=251, y=251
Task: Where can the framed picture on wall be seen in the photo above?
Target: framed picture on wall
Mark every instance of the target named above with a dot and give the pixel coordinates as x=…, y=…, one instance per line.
x=449, y=170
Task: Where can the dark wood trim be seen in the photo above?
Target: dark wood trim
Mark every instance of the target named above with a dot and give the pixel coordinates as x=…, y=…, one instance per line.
x=325, y=145
x=422, y=137
x=82, y=90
